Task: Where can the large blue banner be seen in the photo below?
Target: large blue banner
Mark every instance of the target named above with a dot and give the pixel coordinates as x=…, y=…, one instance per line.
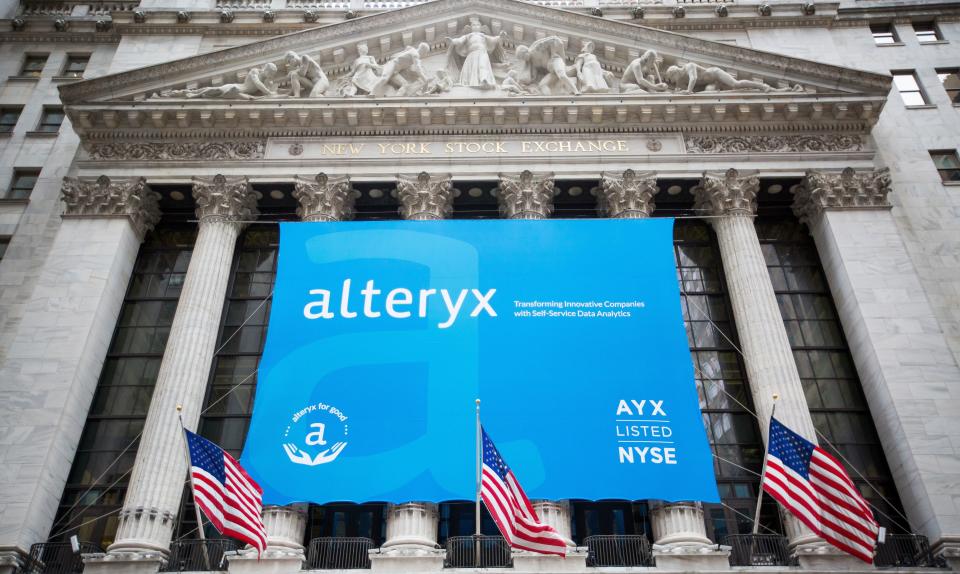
x=383, y=334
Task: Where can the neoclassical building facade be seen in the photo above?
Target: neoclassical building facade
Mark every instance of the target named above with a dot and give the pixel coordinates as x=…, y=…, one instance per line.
x=808, y=151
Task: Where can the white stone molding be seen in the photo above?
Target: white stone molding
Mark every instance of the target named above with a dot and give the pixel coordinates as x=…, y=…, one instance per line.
x=841, y=190
x=411, y=544
x=224, y=199
x=425, y=197
x=120, y=197
x=729, y=200
x=285, y=527
x=324, y=198
x=176, y=150
x=627, y=196
x=804, y=143
x=527, y=196
x=156, y=484
x=680, y=539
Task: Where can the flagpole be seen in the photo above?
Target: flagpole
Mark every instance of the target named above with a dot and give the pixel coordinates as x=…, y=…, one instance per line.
x=763, y=468
x=476, y=531
x=196, y=508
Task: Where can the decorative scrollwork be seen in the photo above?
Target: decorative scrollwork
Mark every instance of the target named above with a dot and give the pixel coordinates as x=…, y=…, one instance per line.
x=773, y=144
x=240, y=150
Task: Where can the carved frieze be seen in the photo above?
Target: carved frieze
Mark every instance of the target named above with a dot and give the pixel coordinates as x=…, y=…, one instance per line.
x=627, y=196
x=528, y=196
x=103, y=197
x=822, y=190
x=132, y=151
x=222, y=198
x=425, y=197
x=324, y=198
x=773, y=144
x=727, y=193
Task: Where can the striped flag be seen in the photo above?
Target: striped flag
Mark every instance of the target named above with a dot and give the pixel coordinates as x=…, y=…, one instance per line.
x=230, y=499
x=816, y=489
x=510, y=508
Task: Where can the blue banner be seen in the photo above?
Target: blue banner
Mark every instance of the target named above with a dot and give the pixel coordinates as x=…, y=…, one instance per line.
x=383, y=334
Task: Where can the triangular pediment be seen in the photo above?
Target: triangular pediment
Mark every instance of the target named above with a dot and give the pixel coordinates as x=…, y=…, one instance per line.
x=503, y=52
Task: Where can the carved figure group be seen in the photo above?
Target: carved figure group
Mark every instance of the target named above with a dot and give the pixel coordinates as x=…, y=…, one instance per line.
x=258, y=83
x=686, y=78
x=470, y=57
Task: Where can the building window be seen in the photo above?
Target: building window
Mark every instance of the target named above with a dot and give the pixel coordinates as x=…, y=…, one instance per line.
x=884, y=34
x=33, y=65
x=96, y=484
x=830, y=381
x=50, y=120
x=926, y=32
x=8, y=119
x=22, y=184
x=950, y=78
x=909, y=88
x=4, y=243
x=76, y=65
x=947, y=163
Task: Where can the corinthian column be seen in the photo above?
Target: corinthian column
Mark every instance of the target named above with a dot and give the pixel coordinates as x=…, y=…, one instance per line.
x=153, y=497
x=896, y=341
x=58, y=350
x=425, y=197
x=731, y=199
x=526, y=197
x=324, y=199
x=627, y=196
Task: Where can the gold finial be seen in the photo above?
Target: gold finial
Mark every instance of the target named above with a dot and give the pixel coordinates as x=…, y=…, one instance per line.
x=179, y=408
x=478, y=401
x=776, y=397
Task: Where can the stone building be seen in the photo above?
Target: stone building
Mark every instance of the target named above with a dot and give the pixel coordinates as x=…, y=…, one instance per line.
x=147, y=150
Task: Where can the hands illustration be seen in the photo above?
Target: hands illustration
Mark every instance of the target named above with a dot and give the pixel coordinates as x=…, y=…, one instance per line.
x=298, y=456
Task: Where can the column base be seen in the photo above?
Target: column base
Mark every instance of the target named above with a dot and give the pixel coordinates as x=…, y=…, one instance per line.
x=691, y=557
x=948, y=550
x=274, y=560
x=123, y=563
x=11, y=561
x=821, y=556
x=574, y=561
x=400, y=557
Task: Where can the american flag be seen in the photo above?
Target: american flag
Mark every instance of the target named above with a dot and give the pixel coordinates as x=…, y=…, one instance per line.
x=816, y=489
x=510, y=508
x=229, y=498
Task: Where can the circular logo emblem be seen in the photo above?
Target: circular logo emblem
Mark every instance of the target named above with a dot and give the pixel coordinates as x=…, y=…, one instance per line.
x=316, y=435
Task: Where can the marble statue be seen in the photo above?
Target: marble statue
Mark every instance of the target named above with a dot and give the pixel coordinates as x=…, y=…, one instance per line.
x=686, y=78
x=511, y=85
x=364, y=74
x=304, y=71
x=643, y=75
x=404, y=72
x=543, y=66
x=470, y=57
x=258, y=83
x=590, y=74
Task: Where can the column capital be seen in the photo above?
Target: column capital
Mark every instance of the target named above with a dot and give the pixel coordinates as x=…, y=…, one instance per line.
x=627, y=196
x=527, y=196
x=222, y=198
x=324, y=198
x=104, y=197
x=425, y=196
x=727, y=193
x=847, y=189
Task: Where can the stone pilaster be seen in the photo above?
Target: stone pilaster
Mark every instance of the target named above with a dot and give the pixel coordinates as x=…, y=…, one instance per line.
x=153, y=497
x=900, y=351
x=50, y=372
x=425, y=197
x=324, y=199
x=527, y=196
x=730, y=199
x=627, y=196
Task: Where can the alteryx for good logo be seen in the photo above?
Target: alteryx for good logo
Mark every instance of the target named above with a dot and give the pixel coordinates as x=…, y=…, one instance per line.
x=382, y=335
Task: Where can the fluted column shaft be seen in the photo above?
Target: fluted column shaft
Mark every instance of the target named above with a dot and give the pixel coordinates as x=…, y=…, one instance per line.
x=153, y=496
x=768, y=357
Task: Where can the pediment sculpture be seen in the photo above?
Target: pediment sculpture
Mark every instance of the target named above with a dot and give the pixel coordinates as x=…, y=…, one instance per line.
x=478, y=63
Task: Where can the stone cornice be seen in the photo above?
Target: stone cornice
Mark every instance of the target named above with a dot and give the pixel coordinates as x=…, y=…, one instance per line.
x=416, y=17
x=424, y=196
x=628, y=195
x=526, y=196
x=323, y=198
x=120, y=197
x=727, y=193
x=223, y=198
x=823, y=190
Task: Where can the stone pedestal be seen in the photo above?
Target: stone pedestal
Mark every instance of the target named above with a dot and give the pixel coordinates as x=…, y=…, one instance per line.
x=411, y=544
x=123, y=563
x=11, y=561
x=680, y=539
x=574, y=561
x=153, y=497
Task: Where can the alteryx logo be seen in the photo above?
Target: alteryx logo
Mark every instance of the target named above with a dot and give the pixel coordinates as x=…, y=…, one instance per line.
x=400, y=303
